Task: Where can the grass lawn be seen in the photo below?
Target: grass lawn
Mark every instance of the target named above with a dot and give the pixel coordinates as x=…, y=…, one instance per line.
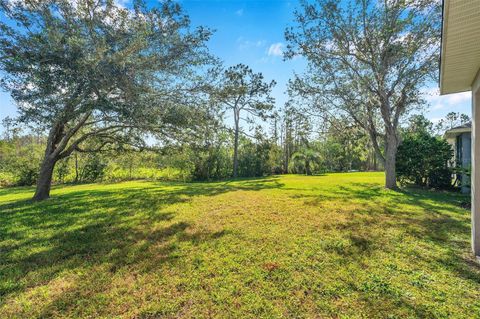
x=333, y=246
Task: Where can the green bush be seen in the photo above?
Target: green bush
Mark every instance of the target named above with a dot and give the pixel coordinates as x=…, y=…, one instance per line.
x=7, y=179
x=424, y=160
x=94, y=169
x=27, y=175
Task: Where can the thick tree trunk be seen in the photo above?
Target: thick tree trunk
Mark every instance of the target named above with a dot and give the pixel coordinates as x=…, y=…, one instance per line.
x=390, y=162
x=235, y=146
x=44, y=181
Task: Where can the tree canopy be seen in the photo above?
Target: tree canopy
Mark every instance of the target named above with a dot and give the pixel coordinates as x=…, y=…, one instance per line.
x=243, y=91
x=367, y=59
x=91, y=70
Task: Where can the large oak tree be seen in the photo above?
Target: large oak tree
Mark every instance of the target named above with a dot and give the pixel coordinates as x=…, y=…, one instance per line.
x=90, y=72
x=367, y=59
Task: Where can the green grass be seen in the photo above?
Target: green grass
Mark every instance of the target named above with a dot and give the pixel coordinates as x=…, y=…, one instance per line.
x=333, y=246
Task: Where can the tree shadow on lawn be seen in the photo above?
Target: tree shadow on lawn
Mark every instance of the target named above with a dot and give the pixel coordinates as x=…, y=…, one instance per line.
x=117, y=228
x=428, y=230
x=433, y=218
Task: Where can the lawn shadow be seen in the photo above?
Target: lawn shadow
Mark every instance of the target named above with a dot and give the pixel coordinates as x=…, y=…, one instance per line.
x=432, y=217
x=131, y=228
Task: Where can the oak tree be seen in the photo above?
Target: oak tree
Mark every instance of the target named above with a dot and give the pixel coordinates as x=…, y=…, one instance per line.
x=367, y=59
x=90, y=72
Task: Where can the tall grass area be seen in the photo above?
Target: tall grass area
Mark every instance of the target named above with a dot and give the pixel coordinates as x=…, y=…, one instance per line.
x=331, y=246
x=167, y=174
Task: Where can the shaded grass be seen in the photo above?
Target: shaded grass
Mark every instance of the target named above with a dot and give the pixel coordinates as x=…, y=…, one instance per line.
x=328, y=246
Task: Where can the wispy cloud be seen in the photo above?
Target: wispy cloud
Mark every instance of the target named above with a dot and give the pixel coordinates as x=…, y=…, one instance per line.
x=239, y=12
x=451, y=101
x=275, y=49
x=248, y=44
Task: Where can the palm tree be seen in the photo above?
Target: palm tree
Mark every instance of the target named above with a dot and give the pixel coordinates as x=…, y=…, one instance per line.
x=306, y=157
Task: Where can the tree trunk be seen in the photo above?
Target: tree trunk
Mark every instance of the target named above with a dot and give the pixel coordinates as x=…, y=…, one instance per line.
x=44, y=181
x=76, y=168
x=287, y=152
x=390, y=162
x=235, y=145
x=308, y=171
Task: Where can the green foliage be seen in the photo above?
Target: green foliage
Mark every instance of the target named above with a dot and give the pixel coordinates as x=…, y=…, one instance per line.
x=209, y=159
x=93, y=170
x=254, y=158
x=366, y=60
x=306, y=161
x=424, y=160
x=114, y=173
x=275, y=159
x=244, y=93
x=27, y=175
x=6, y=179
x=20, y=158
x=94, y=73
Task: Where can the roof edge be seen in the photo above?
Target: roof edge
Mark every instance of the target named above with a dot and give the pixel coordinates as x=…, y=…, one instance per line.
x=445, y=5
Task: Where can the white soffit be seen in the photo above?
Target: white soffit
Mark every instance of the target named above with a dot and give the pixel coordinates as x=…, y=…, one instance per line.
x=460, y=61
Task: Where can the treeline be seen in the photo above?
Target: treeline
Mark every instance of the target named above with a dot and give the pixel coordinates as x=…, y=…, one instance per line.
x=288, y=142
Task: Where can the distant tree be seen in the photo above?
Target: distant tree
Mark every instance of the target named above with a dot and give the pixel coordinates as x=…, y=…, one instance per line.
x=418, y=123
x=352, y=144
x=450, y=121
x=243, y=91
x=90, y=70
x=307, y=158
x=367, y=59
x=297, y=130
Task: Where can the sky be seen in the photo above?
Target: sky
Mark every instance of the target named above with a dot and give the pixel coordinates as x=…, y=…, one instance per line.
x=252, y=32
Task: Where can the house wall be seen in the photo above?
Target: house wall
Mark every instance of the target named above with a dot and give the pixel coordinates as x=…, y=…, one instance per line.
x=467, y=149
x=475, y=187
x=453, y=143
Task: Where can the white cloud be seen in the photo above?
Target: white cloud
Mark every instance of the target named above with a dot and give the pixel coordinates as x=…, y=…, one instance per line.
x=239, y=12
x=445, y=102
x=275, y=49
x=122, y=3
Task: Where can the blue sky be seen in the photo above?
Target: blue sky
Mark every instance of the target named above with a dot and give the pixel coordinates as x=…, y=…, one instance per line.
x=252, y=32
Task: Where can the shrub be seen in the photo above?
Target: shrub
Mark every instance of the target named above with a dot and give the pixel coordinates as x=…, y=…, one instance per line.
x=93, y=170
x=424, y=160
x=27, y=175
x=6, y=179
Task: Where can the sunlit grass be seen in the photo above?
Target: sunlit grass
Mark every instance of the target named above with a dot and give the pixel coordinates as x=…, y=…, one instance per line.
x=335, y=246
